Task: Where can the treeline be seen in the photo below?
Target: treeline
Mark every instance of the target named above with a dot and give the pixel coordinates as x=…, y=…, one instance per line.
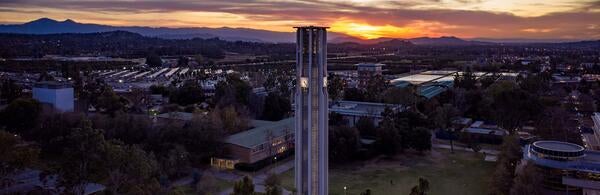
x=132, y=45
x=53, y=65
x=127, y=44
x=129, y=154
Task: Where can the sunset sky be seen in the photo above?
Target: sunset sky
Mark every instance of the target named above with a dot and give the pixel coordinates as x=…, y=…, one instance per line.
x=543, y=19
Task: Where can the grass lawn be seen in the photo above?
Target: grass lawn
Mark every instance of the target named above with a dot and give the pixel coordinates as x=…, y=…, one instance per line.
x=220, y=185
x=461, y=173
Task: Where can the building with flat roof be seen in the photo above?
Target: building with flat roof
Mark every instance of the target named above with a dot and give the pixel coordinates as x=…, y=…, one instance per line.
x=366, y=71
x=257, y=147
x=566, y=167
x=486, y=133
x=58, y=94
x=352, y=111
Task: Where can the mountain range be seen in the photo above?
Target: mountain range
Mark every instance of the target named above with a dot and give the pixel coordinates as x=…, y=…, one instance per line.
x=50, y=26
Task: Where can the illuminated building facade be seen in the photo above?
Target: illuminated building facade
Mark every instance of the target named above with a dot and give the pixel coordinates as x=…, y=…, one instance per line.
x=566, y=168
x=311, y=111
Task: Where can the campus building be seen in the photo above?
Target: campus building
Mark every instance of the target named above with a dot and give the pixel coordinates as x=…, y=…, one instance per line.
x=352, y=111
x=366, y=71
x=59, y=95
x=259, y=146
x=591, y=136
x=311, y=103
x=566, y=168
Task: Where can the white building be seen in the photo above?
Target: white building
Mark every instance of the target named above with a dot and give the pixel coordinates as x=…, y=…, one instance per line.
x=59, y=95
x=311, y=144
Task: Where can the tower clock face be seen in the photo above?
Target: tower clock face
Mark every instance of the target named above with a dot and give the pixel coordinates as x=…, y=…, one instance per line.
x=304, y=82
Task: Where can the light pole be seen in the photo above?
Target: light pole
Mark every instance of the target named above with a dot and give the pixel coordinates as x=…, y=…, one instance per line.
x=345, y=188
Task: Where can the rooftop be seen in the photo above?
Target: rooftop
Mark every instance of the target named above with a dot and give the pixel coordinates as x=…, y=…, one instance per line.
x=261, y=132
x=52, y=85
x=355, y=108
x=186, y=116
x=558, y=146
x=370, y=64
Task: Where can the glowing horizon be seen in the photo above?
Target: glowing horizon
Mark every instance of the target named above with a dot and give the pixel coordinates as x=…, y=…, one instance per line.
x=366, y=19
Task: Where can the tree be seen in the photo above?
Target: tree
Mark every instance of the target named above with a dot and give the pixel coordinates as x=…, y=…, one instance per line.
x=129, y=128
x=534, y=84
x=510, y=155
x=335, y=87
x=189, y=93
x=366, y=192
x=276, y=108
x=109, y=102
x=129, y=169
x=443, y=118
x=405, y=96
x=354, y=94
x=197, y=141
x=230, y=119
x=175, y=161
x=466, y=80
x=421, y=139
x=9, y=90
x=232, y=90
x=21, y=115
x=554, y=125
x=15, y=154
x=243, y=187
x=346, y=142
x=153, y=60
x=528, y=181
x=421, y=188
x=388, y=139
x=277, y=81
x=273, y=185
x=513, y=106
x=375, y=88
x=82, y=159
x=183, y=61
x=336, y=119
x=366, y=126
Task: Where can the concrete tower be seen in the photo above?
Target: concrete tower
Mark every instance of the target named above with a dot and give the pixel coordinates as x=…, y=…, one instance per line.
x=311, y=111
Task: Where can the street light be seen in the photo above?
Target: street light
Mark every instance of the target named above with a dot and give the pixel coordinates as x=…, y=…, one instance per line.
x=345, y=188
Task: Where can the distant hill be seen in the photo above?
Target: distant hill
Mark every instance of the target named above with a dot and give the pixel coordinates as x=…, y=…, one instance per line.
x=50, y=26
x=127, y=44
x=417, y=41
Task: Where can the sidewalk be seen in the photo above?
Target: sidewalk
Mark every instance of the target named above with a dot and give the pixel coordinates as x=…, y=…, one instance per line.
x=461, y=148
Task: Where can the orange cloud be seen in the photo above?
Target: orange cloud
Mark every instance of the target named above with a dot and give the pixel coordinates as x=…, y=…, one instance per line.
x=367, y=31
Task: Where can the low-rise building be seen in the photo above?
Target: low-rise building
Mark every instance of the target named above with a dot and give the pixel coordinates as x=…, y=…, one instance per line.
x=566, y=168
x=352, y=111
x=259, y=146
x=58, y=94
x=486, y=133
